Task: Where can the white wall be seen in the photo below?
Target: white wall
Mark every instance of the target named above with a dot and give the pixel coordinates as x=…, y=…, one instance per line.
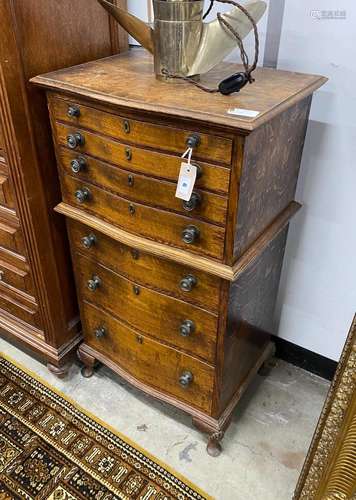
x=317, y=299
x=137, y=8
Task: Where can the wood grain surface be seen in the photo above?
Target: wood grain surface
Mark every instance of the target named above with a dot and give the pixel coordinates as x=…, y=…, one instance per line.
x=149, y=361
x=150, y=312
x=133, y=130
x=38, y=36
x=147, y=269
x=128, y=81
x=148, y=162
x=159, y=225
x=212, y=267
x=144, y=189
x=211, y=147
x=272, y=157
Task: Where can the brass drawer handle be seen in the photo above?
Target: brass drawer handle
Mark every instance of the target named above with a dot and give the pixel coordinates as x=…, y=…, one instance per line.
x=100, y=332
x=127, y=127
x=73, y=111
x=78, y=165
x=132, y=209
x=193, y=203
x=188, y=283
x=186, y=379
x=75, y=140
x=193, y=141
x=187, y=328
x=94, y=283
x=136, y=289
x=135, y=254
x=2, y=276
x=190, y=234
x=82, y=195
x=89, y=241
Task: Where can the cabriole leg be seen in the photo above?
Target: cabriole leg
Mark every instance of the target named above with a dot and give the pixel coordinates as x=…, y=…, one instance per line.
x=88, y=362
x=215, y=434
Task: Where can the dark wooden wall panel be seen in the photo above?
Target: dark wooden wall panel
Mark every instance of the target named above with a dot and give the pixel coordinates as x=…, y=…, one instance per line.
x=40, y=36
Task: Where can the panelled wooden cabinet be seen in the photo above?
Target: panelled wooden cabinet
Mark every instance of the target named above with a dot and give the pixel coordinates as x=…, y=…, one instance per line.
x=177, y=297
x=38, y=306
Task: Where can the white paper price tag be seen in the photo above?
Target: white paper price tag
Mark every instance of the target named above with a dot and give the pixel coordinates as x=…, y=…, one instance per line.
x=186, y=181
x=247, y=113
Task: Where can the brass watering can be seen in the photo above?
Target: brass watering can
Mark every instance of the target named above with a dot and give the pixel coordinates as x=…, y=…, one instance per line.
x=182, y=44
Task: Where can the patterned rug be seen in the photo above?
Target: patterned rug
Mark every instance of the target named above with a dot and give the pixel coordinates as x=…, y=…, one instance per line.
x=52, y=449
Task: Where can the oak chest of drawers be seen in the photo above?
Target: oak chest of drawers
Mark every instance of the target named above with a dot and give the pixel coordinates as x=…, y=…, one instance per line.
x=177, y=297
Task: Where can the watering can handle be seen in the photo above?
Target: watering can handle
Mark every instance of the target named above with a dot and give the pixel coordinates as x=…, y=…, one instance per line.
x=235, y=82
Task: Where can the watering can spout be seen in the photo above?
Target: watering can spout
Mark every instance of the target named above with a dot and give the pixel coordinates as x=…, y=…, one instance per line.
x=132, y=24
x=182, y=44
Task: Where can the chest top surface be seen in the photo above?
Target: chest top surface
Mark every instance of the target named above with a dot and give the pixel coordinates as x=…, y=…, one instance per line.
x=128, y=80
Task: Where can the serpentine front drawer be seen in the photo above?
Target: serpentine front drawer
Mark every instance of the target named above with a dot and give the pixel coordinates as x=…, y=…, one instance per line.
x=182, y=282
x=205, y=205
x=150, y=362
x=151, y=135
x=163, y=226
x=172, y=321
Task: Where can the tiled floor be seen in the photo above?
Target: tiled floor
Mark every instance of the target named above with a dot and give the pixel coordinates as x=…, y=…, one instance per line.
x=264, y=448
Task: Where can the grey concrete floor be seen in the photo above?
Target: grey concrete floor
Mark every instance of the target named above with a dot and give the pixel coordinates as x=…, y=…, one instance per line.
x=264, y=448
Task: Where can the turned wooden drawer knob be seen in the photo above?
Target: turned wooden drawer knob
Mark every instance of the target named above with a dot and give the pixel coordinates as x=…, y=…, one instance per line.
x=193, y=203
x=78, y=165
x=193, y=141
x=188, y=283
x=89, y=241
x=73, y=111
x=75, y=140
x=186, y=379
x=190, y=234
x=100, y=332
x=94, y=283
x=82, y=195
x=187, y=328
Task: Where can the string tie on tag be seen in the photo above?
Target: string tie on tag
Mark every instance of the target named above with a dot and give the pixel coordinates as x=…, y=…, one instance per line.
x=188, y=153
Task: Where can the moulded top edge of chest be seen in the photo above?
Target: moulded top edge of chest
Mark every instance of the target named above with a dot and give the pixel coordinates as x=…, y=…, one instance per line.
x=154, y=116
x=128, y=81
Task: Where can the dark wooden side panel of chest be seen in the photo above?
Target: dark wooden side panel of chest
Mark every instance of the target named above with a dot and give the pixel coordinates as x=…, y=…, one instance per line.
x=268, y=180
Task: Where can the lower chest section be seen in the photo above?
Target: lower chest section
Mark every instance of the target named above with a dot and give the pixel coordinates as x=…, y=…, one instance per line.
x=155, y=319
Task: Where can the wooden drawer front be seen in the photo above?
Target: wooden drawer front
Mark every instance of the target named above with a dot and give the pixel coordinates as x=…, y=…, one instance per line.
x=211, y=147
x=15, y=277
x=11, y=237
x=148, y=361
x=143, y=161
x=158, y=315
x=19, y=304
x=7, y=198
x=158, y=225
x=141, y=188
x=146, y=269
